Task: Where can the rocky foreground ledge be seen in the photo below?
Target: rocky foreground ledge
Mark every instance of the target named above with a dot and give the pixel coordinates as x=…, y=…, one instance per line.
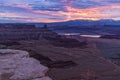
x=17, y=65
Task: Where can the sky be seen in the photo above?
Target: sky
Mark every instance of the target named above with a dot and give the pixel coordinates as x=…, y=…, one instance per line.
x=58, y=10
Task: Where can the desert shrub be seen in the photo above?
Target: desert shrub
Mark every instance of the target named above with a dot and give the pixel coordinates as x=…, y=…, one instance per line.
x=3, y=46
x=9, y=43
x=89, y=75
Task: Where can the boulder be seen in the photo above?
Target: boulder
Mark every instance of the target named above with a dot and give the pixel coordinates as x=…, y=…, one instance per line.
x=13, y=54
x=17, y=65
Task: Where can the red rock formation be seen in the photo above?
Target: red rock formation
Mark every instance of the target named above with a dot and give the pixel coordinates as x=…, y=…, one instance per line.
x=23, y=32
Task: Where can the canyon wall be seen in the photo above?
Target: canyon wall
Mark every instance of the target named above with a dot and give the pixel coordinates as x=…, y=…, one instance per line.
x=22, y=32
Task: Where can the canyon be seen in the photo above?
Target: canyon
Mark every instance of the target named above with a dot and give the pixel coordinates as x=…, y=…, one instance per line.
x=67, y=57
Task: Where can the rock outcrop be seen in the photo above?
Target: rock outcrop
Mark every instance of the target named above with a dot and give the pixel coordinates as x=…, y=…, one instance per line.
x=17, y=65
x=24, y=32
x=62, y=41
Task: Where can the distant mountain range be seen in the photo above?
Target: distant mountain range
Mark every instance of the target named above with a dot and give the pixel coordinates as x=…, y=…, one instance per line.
x=80, y=23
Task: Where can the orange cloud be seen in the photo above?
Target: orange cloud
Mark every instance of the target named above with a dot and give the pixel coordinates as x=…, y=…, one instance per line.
x=90, y=13
x=95, y=13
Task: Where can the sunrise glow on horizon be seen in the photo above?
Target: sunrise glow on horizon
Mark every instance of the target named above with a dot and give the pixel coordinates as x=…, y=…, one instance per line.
x=58, y=10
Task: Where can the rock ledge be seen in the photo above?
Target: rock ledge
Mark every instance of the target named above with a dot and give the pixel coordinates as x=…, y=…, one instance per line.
x=17, y=65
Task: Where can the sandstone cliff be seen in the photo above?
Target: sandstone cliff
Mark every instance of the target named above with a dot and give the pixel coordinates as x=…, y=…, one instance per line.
x=23, y=32
x=17, y=65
